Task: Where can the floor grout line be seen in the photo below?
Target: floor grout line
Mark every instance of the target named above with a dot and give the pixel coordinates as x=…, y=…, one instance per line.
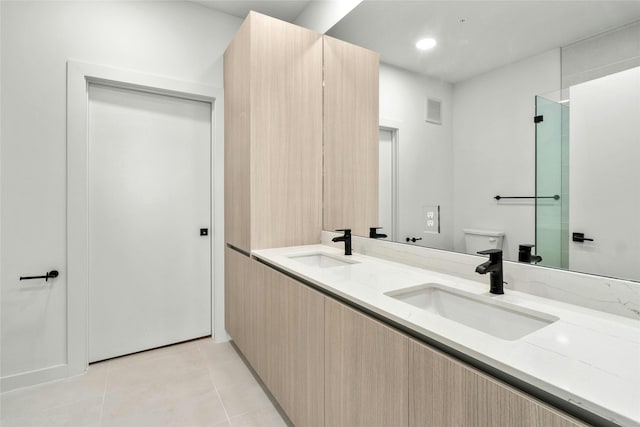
x=214, y=385
x=104, y=393
x=224, y=408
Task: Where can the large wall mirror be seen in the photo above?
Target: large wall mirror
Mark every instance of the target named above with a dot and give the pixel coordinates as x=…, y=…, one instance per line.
x=537, y=102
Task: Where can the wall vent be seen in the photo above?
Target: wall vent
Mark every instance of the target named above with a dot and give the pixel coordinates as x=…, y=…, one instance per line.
x=433, y=111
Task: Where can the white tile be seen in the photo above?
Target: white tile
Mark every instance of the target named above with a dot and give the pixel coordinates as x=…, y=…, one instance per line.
x=239, y=399
x=265, y=417
x=59, y=393
x=170, y=387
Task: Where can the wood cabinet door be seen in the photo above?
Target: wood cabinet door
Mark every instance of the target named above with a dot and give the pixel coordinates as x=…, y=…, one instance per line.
x=291, y=339
x=237, y=140
x=445, y=392
x=350, y=132
x=273, y=135
x=241, y=308
x=366, y=370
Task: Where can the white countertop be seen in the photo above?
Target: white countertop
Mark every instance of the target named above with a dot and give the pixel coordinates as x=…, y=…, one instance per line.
x=587, y=357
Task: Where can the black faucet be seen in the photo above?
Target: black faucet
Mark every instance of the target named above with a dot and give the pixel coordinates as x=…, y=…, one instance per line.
x=346, y=238
x=524, y=254
x=494, y=267
x=373, y=234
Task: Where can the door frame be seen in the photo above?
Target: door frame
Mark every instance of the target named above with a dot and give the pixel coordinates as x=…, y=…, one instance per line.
x=393, y=127
x=79, y=76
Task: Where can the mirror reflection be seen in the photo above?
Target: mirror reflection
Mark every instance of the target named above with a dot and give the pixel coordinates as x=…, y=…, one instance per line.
x=534, y=102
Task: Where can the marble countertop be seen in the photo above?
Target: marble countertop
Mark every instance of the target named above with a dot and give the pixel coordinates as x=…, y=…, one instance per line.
x=587, y=357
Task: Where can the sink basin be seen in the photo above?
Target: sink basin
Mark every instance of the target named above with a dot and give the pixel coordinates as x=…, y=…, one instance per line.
x=480, y=312
x=321, y=260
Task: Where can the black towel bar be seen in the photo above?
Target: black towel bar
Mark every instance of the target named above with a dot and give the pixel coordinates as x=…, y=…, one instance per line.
x=554, y=197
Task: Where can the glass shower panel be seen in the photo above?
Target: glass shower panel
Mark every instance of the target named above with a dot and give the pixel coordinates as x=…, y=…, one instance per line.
x=552, y=178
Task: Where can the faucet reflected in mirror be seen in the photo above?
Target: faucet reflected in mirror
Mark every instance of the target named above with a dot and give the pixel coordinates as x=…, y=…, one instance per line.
x=524, y=254
x=373, y=233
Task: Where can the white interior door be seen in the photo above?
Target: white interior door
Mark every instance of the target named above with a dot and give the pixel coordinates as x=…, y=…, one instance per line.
x=386, y=184
x=149, y=196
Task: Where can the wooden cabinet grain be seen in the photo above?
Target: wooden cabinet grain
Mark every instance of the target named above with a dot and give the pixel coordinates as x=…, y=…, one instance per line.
x=366, y=372
x=273, y=135
x=445, y=391
x=242, y=303
x=350, y=132
x=291, y=342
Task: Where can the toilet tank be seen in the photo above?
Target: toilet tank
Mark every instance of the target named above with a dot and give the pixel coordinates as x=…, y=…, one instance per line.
x=479, y=240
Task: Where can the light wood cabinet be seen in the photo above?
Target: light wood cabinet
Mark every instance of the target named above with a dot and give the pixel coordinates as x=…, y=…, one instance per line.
x=350, y=132
x=329, y=364
x=242, y=299
x=366, y=372
x=291, y=339
x=445, y=391
x=273, y=135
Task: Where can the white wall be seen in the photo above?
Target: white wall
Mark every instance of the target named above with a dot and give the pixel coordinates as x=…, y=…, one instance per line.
x=600, y=55
x=320, y=16
x=604, y=175
x=494, y=148
x=425, y=151
x=180, y=40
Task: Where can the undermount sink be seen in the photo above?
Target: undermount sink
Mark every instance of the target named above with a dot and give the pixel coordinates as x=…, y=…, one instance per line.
x=480, y=312
x=321, y=260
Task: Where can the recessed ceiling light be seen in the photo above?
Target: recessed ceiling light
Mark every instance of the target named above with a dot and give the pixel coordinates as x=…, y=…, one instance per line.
x=426, y=44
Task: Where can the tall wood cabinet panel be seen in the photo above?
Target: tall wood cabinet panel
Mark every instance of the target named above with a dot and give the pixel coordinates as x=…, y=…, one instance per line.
x=366, y=372
x=291, y=338
x=273, y=135
x=444, y=391
x=350, y=132
x=237, y=119
x=243, y=303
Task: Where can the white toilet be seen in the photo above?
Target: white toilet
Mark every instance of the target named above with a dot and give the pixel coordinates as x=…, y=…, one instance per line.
x=479, y=240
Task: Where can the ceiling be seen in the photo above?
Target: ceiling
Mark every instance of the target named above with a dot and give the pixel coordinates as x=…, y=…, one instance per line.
x=492, y=34
x=286, y=10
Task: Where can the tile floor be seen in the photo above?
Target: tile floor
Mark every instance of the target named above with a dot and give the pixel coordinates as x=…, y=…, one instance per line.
x=198, y=383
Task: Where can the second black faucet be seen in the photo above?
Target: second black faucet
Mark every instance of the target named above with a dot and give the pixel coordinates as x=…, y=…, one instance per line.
x=346, y=238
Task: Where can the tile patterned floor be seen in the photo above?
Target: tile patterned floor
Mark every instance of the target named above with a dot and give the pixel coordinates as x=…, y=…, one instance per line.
x=194, y=384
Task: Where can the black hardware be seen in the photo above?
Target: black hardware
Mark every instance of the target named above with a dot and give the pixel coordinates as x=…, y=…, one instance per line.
x=413, y=239
x=494, y=268
x=373, y=234
x=579, y=237
x=346, y=238
x=538, y=119
x=524, y=254
x=50, y=275
x=204, y=231
x=554, y=197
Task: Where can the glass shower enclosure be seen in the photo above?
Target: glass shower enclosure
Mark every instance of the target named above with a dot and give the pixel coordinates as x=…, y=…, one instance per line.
x=552, y=182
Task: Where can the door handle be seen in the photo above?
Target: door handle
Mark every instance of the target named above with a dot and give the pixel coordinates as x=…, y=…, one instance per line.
x=49, y=275
x=579, y=237
x=413, y=239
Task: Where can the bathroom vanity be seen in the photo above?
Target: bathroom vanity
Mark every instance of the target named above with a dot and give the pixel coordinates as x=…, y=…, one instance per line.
x=339, y=341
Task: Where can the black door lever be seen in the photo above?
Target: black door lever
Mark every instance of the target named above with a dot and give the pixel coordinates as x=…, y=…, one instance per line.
x=50, y=275
x=579, y=237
